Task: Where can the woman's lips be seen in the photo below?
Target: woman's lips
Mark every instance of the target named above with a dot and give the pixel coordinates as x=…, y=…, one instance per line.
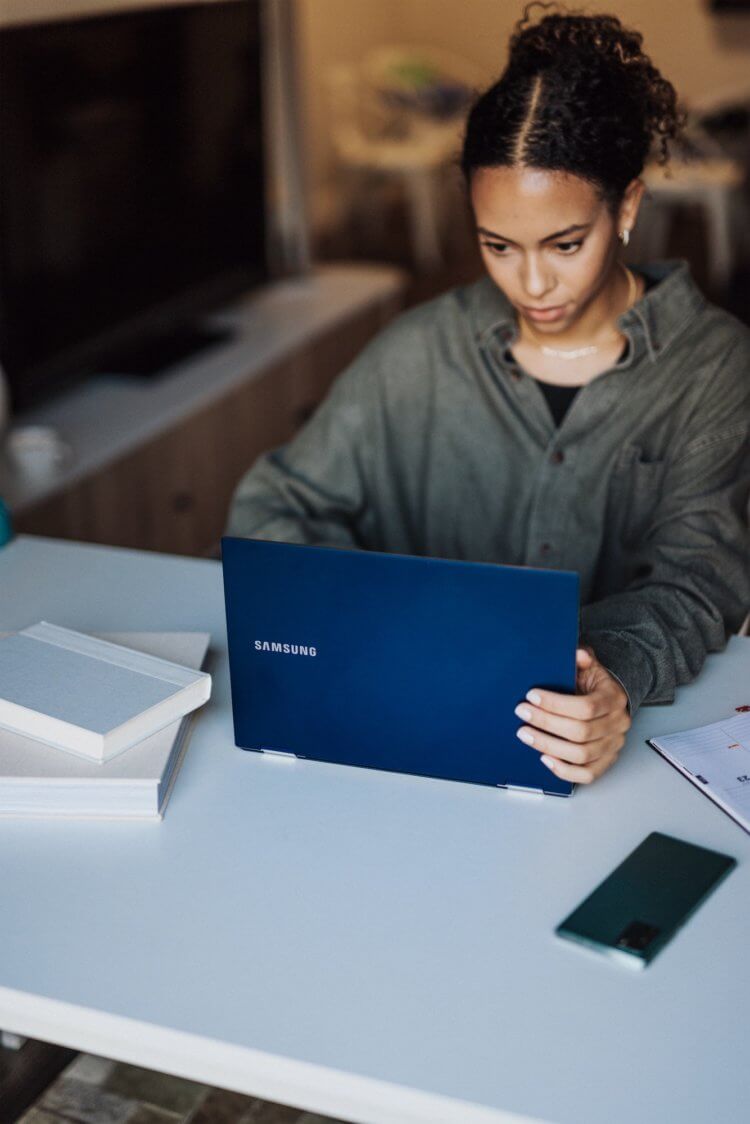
x=546, y=314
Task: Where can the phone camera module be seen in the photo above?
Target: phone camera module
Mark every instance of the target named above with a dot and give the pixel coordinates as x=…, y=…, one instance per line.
x=637, y=936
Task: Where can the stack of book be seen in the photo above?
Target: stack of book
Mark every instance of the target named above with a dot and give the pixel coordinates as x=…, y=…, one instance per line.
x=96, y=726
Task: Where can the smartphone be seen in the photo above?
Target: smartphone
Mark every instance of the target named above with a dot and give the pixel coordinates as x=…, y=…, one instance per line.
x=639, y=907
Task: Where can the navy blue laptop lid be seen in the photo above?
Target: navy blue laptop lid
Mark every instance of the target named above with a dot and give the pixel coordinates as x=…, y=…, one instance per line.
x=395, y=662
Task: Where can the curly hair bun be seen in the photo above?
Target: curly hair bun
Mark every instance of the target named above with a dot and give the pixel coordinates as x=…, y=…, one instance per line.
x=600, y=50
x=601, y=36
x=578, y=95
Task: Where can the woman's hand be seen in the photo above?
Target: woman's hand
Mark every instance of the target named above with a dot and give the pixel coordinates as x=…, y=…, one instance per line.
x=578, y=735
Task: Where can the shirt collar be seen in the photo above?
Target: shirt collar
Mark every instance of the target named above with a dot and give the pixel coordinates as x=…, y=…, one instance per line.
x=657, y=318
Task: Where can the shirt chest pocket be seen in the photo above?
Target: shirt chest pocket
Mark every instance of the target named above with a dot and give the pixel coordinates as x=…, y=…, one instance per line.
x=636, y=489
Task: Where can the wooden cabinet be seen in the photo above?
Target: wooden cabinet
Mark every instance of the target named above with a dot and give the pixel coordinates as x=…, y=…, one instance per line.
x=171, y=493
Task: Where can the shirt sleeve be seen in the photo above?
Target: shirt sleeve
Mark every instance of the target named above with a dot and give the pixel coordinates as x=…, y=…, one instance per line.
x=315, y=489
x=690, y=584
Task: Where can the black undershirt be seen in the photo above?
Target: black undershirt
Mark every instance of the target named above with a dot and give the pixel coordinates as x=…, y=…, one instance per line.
x=559, y=398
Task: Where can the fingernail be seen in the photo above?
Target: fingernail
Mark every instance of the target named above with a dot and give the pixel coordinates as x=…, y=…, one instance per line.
x=534, y=697
x=523, y=712
x=525, y=736
x=548, y=761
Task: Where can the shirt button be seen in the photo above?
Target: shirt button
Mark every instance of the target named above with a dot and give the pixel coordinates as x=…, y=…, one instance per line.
x=557, y=457
x=545, y=548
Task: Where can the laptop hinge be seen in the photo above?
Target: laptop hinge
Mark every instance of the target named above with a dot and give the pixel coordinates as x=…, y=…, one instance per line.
x=277, y=752
x=524, y=788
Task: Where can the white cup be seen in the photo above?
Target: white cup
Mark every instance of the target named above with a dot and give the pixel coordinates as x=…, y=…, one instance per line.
x=36, y=451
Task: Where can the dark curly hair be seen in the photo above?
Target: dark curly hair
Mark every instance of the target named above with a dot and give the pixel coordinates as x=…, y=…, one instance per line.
x=577, y=95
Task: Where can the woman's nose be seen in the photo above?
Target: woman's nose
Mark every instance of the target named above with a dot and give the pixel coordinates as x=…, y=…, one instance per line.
x=535, y=281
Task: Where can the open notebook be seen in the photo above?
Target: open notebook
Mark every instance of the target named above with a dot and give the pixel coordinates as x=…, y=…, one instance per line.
x=716, y=758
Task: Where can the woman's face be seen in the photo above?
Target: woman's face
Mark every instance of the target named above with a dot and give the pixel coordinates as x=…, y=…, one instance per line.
x=546, y=239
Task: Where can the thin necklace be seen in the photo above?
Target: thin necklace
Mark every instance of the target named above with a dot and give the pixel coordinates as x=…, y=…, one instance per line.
x=577, y=352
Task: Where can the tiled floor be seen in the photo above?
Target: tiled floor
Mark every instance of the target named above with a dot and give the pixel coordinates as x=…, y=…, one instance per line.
x=98, y=1091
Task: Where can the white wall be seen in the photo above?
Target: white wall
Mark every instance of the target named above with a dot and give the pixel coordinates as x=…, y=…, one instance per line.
x=330, y=32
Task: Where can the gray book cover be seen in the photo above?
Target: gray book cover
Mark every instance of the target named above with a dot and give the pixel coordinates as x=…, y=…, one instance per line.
x=87, y=695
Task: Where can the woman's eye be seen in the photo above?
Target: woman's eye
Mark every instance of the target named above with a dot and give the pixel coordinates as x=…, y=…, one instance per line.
x=566, y=248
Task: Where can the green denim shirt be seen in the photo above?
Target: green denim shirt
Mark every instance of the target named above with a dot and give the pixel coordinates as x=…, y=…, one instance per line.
x=434, y=441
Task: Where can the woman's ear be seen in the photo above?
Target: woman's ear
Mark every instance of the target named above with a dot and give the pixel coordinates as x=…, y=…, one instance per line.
x=631, y=202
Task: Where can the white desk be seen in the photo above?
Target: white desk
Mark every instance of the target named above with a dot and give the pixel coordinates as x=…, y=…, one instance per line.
x=371, y=946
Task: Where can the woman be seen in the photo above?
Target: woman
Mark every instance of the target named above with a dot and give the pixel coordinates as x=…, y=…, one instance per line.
x=564, y=411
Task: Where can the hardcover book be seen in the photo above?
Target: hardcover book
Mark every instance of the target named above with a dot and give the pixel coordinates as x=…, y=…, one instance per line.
x=89, y=696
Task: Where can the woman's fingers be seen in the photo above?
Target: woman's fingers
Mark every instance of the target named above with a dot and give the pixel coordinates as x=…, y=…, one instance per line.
x=571, y=752
x=579, y=736
x=583, y=707
x=580, y=774
x=572, y=729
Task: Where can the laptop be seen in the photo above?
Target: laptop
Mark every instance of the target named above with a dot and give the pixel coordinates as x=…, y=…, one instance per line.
x=397, y=662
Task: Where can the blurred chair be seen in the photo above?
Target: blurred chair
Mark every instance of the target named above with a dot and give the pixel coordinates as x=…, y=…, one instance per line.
x=704, y=173
x=400, y=113
x=715, y=185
